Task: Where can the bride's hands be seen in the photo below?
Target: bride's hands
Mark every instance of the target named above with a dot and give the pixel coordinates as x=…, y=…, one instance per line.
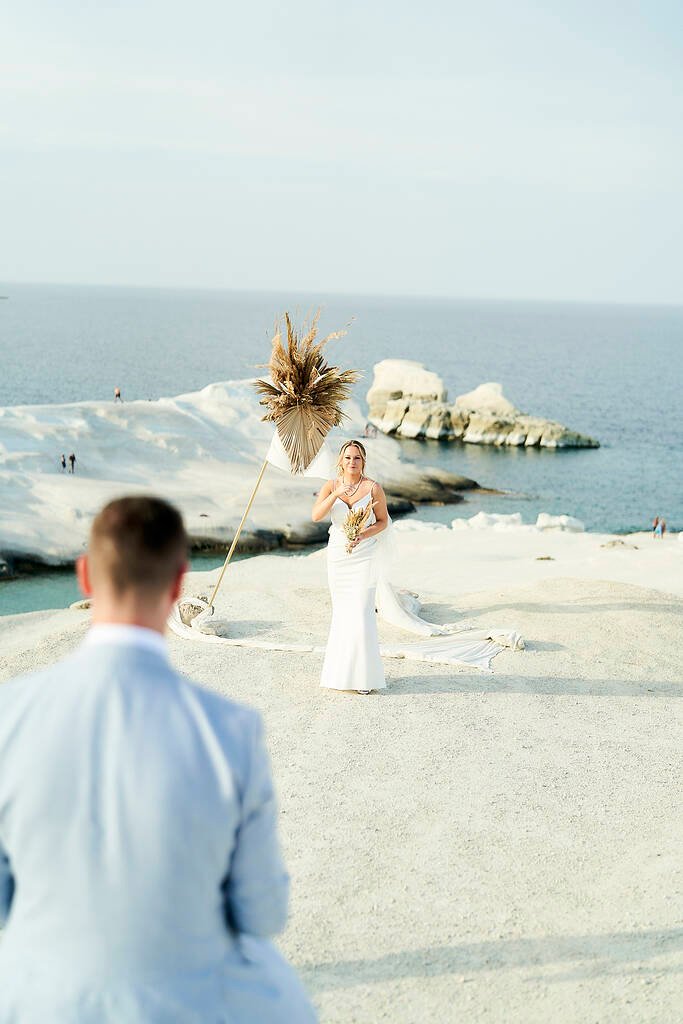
x=326, y=499
x=339, y=491
x=361, y=536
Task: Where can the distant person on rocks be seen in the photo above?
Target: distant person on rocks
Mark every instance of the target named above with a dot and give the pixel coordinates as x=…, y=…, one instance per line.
x=140, y=871
x=117, y=395
x=63, y=463
x=72, y=463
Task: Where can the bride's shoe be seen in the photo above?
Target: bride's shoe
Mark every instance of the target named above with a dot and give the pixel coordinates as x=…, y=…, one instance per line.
x=364, y=692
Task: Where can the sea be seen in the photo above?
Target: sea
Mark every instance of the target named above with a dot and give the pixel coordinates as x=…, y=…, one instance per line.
x=614, y=372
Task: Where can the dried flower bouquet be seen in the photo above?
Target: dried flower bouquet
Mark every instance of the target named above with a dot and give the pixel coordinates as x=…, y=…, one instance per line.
x=355, y=523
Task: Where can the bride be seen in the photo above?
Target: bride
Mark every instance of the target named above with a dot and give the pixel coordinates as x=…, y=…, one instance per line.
x=352, y=656
x=360, y=583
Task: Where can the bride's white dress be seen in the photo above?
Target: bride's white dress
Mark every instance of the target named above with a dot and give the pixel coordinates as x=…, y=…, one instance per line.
x=359, y=584
x=352, y=656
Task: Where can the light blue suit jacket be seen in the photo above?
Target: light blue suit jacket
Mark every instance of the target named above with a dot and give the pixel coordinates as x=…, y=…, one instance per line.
x=140, y=872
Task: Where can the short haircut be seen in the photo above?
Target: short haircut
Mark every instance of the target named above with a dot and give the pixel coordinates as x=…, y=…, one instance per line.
x=138, y=543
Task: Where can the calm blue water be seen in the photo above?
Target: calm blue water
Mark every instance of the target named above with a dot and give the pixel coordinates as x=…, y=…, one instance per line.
x=614, y=372
x=58, y=587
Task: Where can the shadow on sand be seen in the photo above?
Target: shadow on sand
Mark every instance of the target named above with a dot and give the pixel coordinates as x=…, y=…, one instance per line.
x=584, y=955
x=467, y=682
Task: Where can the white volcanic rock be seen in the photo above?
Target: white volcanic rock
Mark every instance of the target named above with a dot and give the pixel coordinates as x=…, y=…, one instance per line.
x=498, y=521
x=410, y=401
x=202, y=450
x=394, y=412
x=568, y=524
x=408, y=377
x=484, y=428
x=556, y=436
x=459, y=421
x=402, y=378
x=532, y=428
x=426, y=419
x=487, y=398
x=516, y=437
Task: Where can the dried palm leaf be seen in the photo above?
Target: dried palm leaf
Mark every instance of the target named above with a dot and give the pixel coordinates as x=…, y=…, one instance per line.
x=305, y=394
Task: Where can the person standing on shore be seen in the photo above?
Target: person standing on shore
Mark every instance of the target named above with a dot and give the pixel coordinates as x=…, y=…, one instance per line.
x=117, y=395
x=352, y=657
x=63, y=462
x=140, y=871
x=72, y=462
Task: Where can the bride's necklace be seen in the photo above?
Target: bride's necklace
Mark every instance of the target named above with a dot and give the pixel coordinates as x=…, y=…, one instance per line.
x=350, y=490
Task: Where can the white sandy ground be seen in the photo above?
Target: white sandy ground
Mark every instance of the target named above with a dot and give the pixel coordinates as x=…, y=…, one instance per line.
x=470, y=847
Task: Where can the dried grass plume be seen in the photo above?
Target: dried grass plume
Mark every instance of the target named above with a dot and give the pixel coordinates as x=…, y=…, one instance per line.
x=354, y=523
x=305, y=394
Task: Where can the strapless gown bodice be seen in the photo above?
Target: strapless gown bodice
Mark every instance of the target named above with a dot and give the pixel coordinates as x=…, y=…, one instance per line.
x=340, y=510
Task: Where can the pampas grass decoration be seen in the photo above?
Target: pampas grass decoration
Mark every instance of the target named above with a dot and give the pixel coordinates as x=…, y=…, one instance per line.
x=304, y=401
x=305, y=394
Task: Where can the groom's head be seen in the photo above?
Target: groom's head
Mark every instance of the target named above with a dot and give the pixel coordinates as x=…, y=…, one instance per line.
x=137, y=555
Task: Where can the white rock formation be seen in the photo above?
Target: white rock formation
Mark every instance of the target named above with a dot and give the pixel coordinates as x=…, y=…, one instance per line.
x=503, y=522
x=567, y=524
x=201, y=450
x=410, y=401
x=487, y=398
x=406, y=381
x=425, y=419
x=497, y=521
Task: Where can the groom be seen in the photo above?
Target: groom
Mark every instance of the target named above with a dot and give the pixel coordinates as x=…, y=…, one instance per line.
x=140, y=873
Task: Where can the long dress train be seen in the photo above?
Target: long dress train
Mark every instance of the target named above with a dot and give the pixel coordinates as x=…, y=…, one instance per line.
x=359, y=583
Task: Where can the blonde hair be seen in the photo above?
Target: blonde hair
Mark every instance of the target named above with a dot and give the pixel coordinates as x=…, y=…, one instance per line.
x=348, y=444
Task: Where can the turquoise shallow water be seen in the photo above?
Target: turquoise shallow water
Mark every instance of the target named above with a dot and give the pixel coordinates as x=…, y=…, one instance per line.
x=614, y=372
x=58, y=588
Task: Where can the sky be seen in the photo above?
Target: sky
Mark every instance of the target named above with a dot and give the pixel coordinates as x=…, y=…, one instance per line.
x=468, y=149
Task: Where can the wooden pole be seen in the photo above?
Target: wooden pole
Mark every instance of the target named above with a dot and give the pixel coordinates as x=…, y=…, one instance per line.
x=237, y=535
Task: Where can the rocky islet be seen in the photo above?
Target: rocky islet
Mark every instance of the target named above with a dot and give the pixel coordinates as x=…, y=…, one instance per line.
x=410, y=401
